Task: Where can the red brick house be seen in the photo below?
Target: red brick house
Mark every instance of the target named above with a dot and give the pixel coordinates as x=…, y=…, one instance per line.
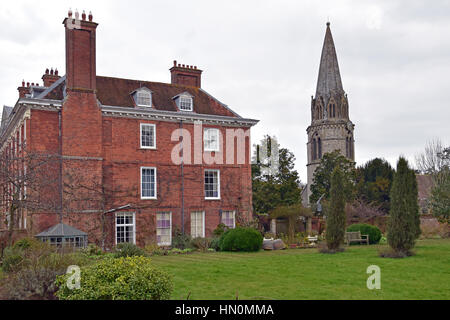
x=135, y=160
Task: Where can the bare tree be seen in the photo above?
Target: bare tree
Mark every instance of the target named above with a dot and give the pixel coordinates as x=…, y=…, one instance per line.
x=432, y=161
x=28, y=182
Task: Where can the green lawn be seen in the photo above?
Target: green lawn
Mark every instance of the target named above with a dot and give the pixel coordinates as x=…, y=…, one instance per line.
x=307, y=274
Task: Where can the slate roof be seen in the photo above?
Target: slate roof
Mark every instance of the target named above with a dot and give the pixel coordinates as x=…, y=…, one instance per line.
x=329, y=81
x=118, y=92
x=5, y=115
x=61, y=230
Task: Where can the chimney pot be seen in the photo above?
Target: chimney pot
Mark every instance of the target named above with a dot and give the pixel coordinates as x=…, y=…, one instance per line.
x=56, y=72
x=77, y=14
x=46, y=71
x=83, y=15
x=28, y=84
x=90, y=16
x=185, y=74
x=23, y=83
x=51, y=71
x=70, y=13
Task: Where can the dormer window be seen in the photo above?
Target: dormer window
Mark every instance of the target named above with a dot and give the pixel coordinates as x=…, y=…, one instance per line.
x=184, y=102
x=143, y=97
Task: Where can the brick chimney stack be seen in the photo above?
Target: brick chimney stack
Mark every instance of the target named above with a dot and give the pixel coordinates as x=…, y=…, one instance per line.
x=186, y=75
x=80, y=52
x=24, y=89
x=50, y=77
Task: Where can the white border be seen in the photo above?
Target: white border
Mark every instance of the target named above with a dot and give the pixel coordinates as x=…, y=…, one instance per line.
x=134, y=225
x=218, y=184
x=218, y=139
x=164, y=244
x=203, y=217
x=156, y=184
x=154, y=135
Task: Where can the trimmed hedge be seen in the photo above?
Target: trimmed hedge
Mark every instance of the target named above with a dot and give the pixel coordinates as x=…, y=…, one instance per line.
x=373, y=231
x=241, y=239
x=131, y=278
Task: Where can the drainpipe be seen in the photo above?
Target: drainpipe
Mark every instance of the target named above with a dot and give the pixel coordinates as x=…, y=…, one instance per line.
x=60, y=168
x=182, y=178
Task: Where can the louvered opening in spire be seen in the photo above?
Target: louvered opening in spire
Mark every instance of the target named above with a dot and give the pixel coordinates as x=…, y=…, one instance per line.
x=329, y=81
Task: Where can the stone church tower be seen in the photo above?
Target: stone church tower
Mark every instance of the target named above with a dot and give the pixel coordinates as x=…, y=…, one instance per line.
x=331, y=128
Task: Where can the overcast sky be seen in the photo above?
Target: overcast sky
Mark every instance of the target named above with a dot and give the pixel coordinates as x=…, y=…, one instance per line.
x=262, y=58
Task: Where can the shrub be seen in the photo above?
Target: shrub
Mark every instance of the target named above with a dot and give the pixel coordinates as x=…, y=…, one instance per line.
x=241, y=239
x=130, y=278
x=215, y=244
x=373, y=231
x=220, y=230
x=180, y=240
x=12, y=258
x=403, y=225
x=154, y=250
x=34, y=276
x=336, y=218
x=93, y=250
x=31, y=283
x=24, y=243
x=129, y=250
x=202, y=244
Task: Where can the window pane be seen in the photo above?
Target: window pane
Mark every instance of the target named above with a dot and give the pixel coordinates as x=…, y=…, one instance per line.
x=186, y=103
x=211, y=184
x=163, y=228
x=147, y=135
x=211, y=139
x=228, y=218
x=143, y=98
x=148, y=183
x=197, y=224
x=125, y=228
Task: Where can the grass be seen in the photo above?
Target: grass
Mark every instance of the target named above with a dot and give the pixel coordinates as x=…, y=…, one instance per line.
x=307, y=274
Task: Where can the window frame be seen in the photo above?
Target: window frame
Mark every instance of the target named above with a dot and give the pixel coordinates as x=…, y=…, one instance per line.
x=125, y=225
x=204, y=140
x=203, y=223
x=218, y=184
x=170, y=232
x=186, y=97
x=156, y=184
x=154, y=135
x=144, y=92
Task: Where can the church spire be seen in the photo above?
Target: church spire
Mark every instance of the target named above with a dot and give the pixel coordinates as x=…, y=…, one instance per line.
x=329, y=81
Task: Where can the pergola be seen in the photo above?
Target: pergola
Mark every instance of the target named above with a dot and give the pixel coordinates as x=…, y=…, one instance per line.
x=62, y=235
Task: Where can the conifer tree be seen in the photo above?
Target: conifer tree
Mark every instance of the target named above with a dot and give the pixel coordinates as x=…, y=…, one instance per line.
x=402, y=225
x=336, y=218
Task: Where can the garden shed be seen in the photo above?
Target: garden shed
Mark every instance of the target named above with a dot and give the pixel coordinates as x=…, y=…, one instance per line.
x=63, y=235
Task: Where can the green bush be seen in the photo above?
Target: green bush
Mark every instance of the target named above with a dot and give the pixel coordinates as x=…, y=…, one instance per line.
x=129, y=250
x=180, y=240
x=215, y=244
x=25, y=243
x=202, y=244
x=93, y=250
x=131, y=278
x=241, y=239
x=373, y=231
x=12, y=259
x=220, y=230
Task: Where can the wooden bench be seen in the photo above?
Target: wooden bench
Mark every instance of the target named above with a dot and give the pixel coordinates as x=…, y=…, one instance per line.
x=356, y=237
x=312, y=240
